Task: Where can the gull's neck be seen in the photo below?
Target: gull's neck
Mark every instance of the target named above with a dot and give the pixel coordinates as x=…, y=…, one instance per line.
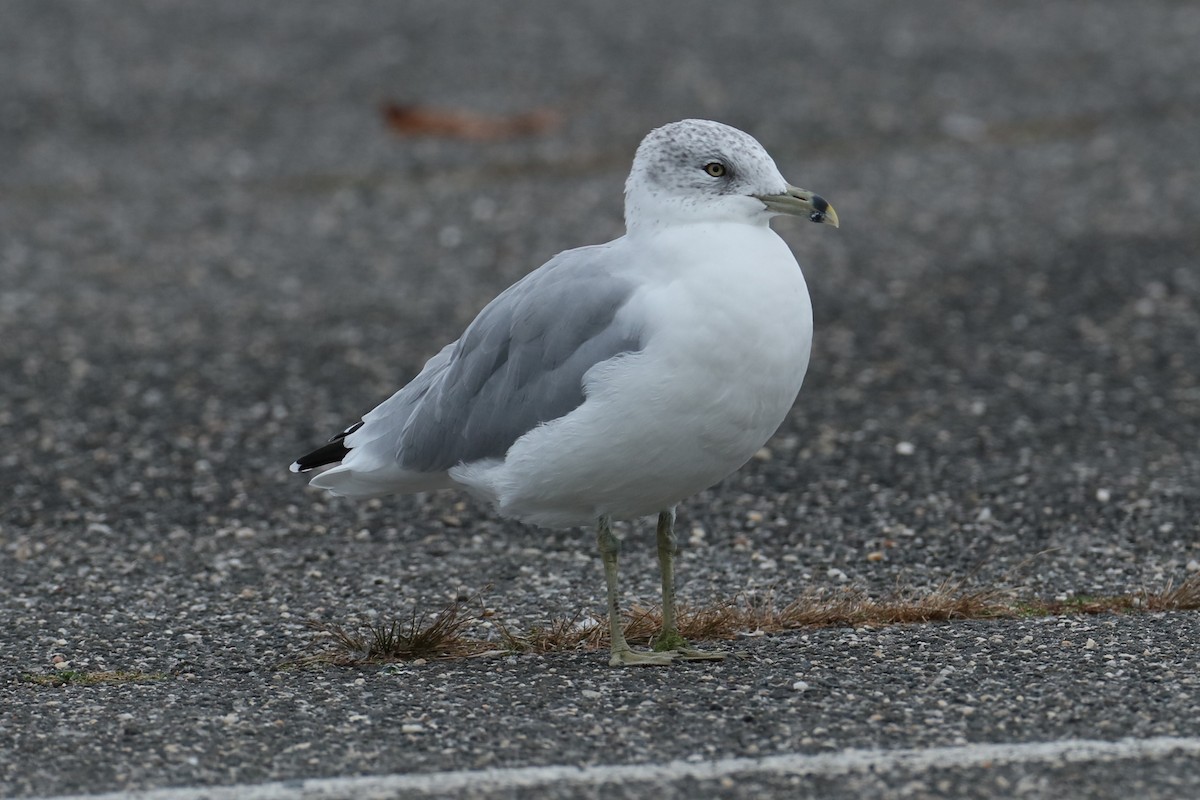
x=649, y=215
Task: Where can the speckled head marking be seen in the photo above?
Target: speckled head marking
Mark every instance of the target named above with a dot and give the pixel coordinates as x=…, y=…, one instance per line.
x=699, y=171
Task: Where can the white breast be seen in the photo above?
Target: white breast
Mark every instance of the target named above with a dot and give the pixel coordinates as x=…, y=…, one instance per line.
x=726, y=347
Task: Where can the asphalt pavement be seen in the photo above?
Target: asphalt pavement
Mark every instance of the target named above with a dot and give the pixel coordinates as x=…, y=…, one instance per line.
x=217, y=248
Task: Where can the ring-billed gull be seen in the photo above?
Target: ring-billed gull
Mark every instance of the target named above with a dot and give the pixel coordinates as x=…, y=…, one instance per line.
x=618, y=379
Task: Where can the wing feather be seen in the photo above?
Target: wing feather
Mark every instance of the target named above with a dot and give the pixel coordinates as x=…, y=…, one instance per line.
x=518, y=365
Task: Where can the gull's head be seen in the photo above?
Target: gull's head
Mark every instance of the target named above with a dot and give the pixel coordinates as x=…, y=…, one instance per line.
x=702, y=171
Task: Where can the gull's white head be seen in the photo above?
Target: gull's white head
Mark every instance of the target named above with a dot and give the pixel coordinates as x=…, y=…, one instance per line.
x=697, y=170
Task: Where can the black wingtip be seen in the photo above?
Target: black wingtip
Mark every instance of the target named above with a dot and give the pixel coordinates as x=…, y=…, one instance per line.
x=330, y=453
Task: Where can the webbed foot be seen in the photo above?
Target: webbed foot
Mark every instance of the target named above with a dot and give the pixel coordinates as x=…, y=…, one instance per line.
x=628, y=657
x=672, y=642
x=692, y=654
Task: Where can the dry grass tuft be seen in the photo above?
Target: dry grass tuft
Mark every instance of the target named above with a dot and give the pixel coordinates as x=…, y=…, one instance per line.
x=71, y=677
x=950, y=601
x=559, y=635
x=442, y=636
x=1184, y=597
x=445, y=634
x=744, y=616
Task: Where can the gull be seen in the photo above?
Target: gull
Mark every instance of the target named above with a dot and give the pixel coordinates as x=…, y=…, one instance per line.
x=618, y=379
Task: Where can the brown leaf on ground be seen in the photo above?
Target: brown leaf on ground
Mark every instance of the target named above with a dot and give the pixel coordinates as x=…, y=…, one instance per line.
x=416, y=120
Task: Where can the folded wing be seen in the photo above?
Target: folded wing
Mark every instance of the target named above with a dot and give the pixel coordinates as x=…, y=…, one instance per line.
x=518, y=365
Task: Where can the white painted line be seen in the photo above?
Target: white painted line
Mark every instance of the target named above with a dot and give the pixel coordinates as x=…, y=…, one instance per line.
x=378, y=787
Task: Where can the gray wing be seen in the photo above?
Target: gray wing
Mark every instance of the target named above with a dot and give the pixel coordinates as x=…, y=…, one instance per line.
x=520, y=363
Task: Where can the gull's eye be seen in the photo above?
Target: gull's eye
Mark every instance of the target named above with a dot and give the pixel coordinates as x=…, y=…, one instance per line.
x=715, y=169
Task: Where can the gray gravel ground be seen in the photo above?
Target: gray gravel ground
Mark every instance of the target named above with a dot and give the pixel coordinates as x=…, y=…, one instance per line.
x=213, y=254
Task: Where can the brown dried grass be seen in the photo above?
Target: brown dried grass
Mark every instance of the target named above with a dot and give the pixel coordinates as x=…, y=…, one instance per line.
x=442, y=635
x=446, y=634
x=1184, y=597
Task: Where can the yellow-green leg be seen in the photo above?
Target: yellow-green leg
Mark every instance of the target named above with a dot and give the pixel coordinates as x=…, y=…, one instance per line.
x=670, y=640
x=621, y=654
